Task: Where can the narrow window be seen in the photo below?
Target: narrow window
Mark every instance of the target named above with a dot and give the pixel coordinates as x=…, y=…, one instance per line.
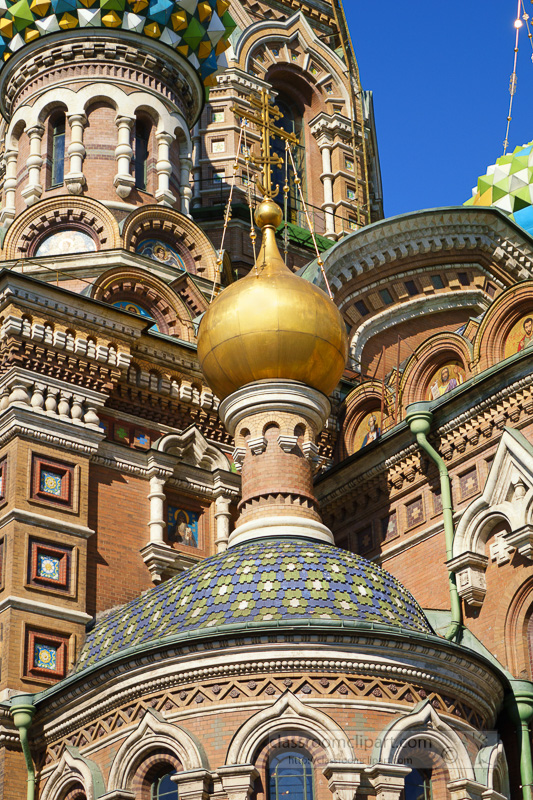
x=361, y=307
x=412, y=288
x=163, y=788
x=386, y=296
x=142, y=135
x=418, y=785
x=290, y=777
x=58, y=151
x=437, y=282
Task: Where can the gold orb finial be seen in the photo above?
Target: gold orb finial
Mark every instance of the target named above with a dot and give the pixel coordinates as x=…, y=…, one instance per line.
x=272, y=325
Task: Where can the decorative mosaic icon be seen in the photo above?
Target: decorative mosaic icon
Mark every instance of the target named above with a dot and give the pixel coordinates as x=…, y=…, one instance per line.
x=45, y=657
x=51, y=483
x=199, y=30
x=48, y=567
x=508, y=185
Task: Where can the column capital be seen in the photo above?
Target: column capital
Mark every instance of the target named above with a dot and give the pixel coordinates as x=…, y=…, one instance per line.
x=122, y=121
x=77, y=119
x=343, y=779
x=36, y=131
x=165, y=137
x=388, y=780
x=465, y=789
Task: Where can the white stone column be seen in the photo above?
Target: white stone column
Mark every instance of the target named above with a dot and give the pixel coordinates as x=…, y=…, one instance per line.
x=193, y=784
x=157, y=518
x=185, y=185
x=222, y=518
x=196, y=166
x=343, y=779
x=388, y=780
x=327, y=181
x=124, y=180
x=163, y=167
x=10, y=184
x=238, y=780
x=34, y=189
x=75, y=179
x=465, y=789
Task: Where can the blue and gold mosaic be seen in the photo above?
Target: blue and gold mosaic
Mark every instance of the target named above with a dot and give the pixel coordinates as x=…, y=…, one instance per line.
x=45, y=657
x=259, y=582
x=48, y=567
x=51, y=483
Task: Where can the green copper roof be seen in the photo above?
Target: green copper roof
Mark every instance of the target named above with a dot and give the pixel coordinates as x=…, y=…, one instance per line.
x=508, y=185
x=197, y=29
x=272, y=580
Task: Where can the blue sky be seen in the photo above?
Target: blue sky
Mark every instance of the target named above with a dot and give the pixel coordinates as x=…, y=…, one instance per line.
x=440, y=76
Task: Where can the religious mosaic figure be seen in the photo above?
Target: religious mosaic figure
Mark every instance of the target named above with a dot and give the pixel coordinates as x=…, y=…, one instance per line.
x=527, y=338
x=374, y=431
x=445, y=382
x=182, y=526
x=160, y=251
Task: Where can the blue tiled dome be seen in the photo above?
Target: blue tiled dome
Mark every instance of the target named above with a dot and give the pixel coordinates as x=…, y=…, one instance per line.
x=267, y=582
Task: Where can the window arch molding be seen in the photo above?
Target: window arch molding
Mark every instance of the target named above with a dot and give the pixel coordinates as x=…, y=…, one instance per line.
x=71, y=773
x=149, y=737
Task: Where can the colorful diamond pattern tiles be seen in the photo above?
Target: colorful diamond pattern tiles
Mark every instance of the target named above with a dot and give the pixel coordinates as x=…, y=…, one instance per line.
x=198, y=29
x=508, y=185
x=264, y=582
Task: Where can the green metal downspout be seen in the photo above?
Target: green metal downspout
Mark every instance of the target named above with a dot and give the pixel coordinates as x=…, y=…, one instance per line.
x=22, y=711
x=419, y=418
x=519, y=704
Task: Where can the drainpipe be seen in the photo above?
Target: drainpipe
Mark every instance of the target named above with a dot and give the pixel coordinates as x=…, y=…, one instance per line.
x=419, y=418
x=22, y=711
x=520, y=708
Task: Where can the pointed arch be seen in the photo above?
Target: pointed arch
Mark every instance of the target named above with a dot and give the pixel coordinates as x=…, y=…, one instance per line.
x=424, y=721
x=153, y=733
x=286, y=714
x=73, y=769
x=192, y=447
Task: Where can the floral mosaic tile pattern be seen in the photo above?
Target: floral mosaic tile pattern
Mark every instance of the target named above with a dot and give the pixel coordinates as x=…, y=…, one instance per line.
x=45, y=657
x=48, y=567
x=50, y=483
x=259, y=582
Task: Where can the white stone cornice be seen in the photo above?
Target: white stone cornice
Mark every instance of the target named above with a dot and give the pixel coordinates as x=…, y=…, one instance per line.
x=42, y=521
x=24, y=422
x=44, y=609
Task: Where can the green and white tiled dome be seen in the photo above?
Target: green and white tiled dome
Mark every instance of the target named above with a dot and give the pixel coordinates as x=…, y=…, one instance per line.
x=197, y=29
x=508, y=185
x=269, y=582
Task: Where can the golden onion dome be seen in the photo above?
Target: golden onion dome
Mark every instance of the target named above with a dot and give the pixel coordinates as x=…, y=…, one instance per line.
x=271, y=324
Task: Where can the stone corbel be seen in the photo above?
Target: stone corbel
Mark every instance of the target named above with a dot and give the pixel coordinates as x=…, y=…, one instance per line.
x=343, y=779
x=193, y=784
x=492, y=794
x=388, y=780
x=238, y=780
x=522, y=540
x=238, y=457
x=257, y=445
x=287, y=443
x=470, y=571
x=464, y=789
x=310, y=451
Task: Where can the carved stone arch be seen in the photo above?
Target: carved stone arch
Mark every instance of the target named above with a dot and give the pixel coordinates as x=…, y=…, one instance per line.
x=289, y=713
x=138, y=286
x=74, y=769
x=363, y=400
x=504, y=313
x=153, y=733
x=507, y=497
x=296, y=26
x=155, y=221
x=518, y=633
x=424, y=721
x=56, y=213
x=492, y=770
x=436, y=351
x=191, y=447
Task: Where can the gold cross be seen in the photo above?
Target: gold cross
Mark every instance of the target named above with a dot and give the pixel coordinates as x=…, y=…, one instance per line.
x=264, y=117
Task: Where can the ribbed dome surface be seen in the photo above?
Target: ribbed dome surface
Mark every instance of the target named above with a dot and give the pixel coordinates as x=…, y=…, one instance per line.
x=269, y=581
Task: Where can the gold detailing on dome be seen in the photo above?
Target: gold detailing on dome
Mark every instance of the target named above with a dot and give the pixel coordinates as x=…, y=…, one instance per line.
x=272, y=324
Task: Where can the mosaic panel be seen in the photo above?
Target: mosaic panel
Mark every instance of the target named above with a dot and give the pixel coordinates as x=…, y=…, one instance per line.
x=121, y=433
x=161, y=251
x=259, y=582
x=135, y=308
x=414, y=512
x=520, y=337
x=66, y=241
x=141, y=440
x=368, y=430
x=447, y=378
x=48, y=566
x=45, y=657
x=365, y=540
x=182, y=526
x=51, y=482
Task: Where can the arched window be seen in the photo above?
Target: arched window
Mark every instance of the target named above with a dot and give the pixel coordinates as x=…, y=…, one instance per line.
x=58, y=150
x=142, y=138
x=163, y=788
x=418, y=785
x=290, y=777
x=292, y=122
